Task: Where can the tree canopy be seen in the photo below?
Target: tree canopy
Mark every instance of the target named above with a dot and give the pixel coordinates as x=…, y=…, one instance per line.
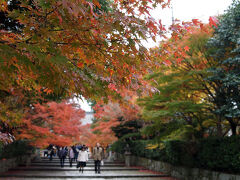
x=54, y=50
x=226, y=75
x=197, y=81
x=51, y=51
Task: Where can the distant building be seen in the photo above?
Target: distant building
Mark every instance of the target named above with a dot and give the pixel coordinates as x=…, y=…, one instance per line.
x=88, y=118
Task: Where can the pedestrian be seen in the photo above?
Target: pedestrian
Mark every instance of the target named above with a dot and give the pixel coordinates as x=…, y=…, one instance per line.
x=45, y=153
x=48, y=152
x=82, y=158
x=98, y=157
x=66, y=148
x=54, y=151
x=62, y=155
x=88, y=151
x=51, y=154
x=70, y=155
x=75, y=153
x=79, y=147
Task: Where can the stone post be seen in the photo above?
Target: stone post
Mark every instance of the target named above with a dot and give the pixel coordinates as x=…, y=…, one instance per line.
x=127, y=159
x=127, y=156
x=28, y=158
x=110, y=156
x=37, y=154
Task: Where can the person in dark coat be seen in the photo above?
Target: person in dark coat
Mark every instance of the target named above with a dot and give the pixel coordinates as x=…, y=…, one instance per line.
x=75, y=153
x=51, y=154
x=62, y=155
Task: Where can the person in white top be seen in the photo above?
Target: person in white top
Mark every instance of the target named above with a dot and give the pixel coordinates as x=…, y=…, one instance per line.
x=82, y=159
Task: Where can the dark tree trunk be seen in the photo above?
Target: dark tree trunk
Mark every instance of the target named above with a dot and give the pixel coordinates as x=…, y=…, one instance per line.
x=233, y=128
x=219, y=127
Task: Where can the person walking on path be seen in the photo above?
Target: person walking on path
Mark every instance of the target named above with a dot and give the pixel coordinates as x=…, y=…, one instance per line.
x=82, y=159
x=62, y=155
x=51, y=154
x=75, y=153
x=98, y=155
x=70, y=155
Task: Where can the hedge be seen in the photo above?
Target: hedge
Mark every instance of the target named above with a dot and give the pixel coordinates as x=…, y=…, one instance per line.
x=220, y=154
x=16, y=148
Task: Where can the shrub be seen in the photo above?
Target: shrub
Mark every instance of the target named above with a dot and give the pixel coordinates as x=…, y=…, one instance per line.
x=180, y=152
x=119, y=146
x=221, y=154
x=1, y=148
x=16, y=148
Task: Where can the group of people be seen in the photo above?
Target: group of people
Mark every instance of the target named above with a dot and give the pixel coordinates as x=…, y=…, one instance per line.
x=78, y=153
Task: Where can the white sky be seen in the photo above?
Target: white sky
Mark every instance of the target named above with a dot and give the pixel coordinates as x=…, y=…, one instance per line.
x=186, y=10
x=83, y=103
x=183, y=10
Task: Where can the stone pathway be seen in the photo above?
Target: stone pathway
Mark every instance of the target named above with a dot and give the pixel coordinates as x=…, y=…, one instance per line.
x=45, y=169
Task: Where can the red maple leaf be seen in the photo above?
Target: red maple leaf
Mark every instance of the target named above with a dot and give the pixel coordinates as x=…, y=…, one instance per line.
x=195, y=21
x=213, y=21
x=186, y=48
x=80, y=64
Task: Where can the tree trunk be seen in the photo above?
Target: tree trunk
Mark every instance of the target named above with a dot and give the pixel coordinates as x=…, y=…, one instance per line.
x=219, y=127
x=233, y=128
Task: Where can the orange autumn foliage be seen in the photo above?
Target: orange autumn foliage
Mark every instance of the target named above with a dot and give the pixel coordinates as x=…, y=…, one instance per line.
x=113, y=114
x=174, y=50
x=90, y=43
x=52, y=123
x=71, y=47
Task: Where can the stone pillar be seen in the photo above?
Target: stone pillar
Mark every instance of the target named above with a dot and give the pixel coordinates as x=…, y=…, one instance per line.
x=127, y=159
x=127, y=156
x=110, y=156
x=29, y=157
x=37, y=154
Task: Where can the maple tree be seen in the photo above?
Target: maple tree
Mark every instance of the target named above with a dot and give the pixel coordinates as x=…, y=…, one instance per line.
x=110, y=115
x=81, y=40
x=184, y=103
x=176, y=109
x=52, y=50
x=114, y=114
x=52, y=123
x=197, y=82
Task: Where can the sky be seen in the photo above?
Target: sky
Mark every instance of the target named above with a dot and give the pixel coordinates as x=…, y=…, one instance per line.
x=186, y=10
x=183, y=10
x=83, y=104
x=195, y=9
